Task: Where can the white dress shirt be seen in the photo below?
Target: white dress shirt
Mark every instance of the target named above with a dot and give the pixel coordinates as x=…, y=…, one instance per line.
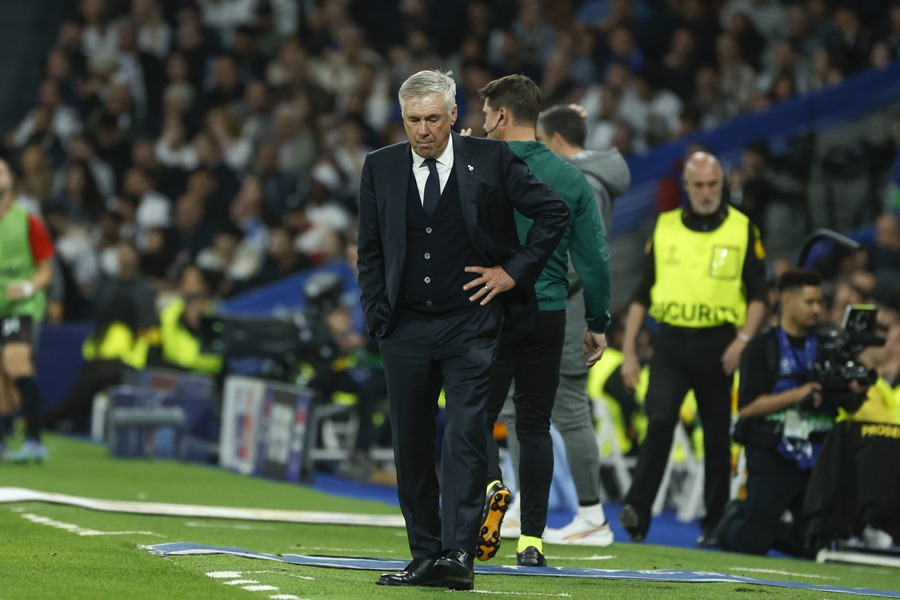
x=444, y=166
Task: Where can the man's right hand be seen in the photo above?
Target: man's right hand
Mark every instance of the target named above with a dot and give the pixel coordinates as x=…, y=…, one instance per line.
x=631, y=371
x=811, y=389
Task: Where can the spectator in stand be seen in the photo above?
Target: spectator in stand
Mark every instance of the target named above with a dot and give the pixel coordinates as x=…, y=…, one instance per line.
x=622, y=50
x=127, y=280
x=36, y=180
x=747, y=37
x=154, y=34
x=114, y=125
x=221, y=255
x=849, y=42
x=281, y=259
x=296, y=146
x=767, y=16
x=58, y=67
x=98, y=36
x=50, y=121
x=84, y=149
x=160, y=254
x=710, y=100
x=226, y=88
x=680, y=64
x=193, y=232
x=223, y=125
x=738, y=79
x=153, y=209
x=80, y=198
x=255, y=112
x=651, y=111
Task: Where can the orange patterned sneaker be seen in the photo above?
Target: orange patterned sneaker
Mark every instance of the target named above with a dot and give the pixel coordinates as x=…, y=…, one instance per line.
x=496, y=504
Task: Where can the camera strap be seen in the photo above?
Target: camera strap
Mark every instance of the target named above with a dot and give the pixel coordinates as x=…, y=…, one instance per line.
x=793, y=363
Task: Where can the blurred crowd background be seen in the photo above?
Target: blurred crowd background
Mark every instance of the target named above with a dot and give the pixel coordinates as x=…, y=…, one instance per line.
x=230, y=134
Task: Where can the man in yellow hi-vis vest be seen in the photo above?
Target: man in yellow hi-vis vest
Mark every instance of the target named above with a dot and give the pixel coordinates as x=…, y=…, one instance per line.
x=704, y=283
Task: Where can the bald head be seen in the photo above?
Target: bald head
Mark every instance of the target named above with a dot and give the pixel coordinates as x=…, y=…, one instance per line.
x=703, y=182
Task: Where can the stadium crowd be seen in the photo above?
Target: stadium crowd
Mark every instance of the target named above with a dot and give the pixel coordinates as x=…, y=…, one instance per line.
x=231, y=133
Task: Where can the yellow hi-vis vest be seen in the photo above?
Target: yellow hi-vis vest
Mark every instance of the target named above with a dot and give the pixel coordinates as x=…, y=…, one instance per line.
x=698, y=274
x=118, y=343
x=598, y=375
x=879, y=407
x=179, y=346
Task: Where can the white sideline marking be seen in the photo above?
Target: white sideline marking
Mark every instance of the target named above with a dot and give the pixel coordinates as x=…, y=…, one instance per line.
x=83, y=531
x=306, y=577
x=594, y=557
x=240, y=581
x=529, y=594
x=226, y=526
x=284, y=597
x=223, y=574
x=12, y=494
x=306, y=549
x=786, y=573
x=260, y=588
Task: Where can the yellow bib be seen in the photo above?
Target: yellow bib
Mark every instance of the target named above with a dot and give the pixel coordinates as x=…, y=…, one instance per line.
x=699, y=274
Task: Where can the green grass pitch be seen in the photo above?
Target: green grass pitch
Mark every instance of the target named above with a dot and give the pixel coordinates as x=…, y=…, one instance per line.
x=56, y=551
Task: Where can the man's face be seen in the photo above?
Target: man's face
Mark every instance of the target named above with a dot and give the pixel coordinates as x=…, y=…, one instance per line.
x=703, y=183
x=492, y=119
x=427, y=123
x=804, y=306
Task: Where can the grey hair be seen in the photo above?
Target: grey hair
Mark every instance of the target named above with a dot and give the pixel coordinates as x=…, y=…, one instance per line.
x=432, y=81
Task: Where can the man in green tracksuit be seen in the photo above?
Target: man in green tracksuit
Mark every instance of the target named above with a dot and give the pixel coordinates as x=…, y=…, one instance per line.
x=511, y=108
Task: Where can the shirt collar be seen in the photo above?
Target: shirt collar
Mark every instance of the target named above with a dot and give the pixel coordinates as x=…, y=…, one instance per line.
x=445, y=158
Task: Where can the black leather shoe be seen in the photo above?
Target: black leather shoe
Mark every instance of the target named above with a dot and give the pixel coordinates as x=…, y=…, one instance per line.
x=630, y=519
x=418, y=572
x=455, y=570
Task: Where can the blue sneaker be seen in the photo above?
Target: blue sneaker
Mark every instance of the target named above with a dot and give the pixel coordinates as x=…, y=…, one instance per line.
x=30, y=451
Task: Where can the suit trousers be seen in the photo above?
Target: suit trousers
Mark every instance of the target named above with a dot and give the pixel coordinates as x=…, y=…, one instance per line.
x=685, y=359
x=532, y=360
x=420, y=356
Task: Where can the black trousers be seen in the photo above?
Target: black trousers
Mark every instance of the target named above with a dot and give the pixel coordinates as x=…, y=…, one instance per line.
x=685, y=359
x=421, y=356
x=774, y=484
x=532, y=360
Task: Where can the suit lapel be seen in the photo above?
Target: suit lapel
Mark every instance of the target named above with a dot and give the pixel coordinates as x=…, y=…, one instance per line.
x=466, y=181
x=395, y=206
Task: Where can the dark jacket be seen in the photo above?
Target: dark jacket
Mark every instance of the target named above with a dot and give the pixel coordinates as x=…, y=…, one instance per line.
x=492, y=182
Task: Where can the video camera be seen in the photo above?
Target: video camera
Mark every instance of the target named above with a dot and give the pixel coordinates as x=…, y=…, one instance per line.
x=835, y=364
x=302, y=335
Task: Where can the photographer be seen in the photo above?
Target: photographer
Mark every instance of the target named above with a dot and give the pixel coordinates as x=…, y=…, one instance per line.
x=784, y=418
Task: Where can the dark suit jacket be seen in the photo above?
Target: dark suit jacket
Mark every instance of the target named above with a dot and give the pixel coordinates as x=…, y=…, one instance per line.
x=492, y=182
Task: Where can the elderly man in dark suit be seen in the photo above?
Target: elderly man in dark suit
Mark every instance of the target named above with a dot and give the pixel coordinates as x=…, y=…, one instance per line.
x=437, y=246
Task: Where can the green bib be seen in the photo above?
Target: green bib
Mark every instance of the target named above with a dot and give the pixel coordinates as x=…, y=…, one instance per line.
x=17, y=264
